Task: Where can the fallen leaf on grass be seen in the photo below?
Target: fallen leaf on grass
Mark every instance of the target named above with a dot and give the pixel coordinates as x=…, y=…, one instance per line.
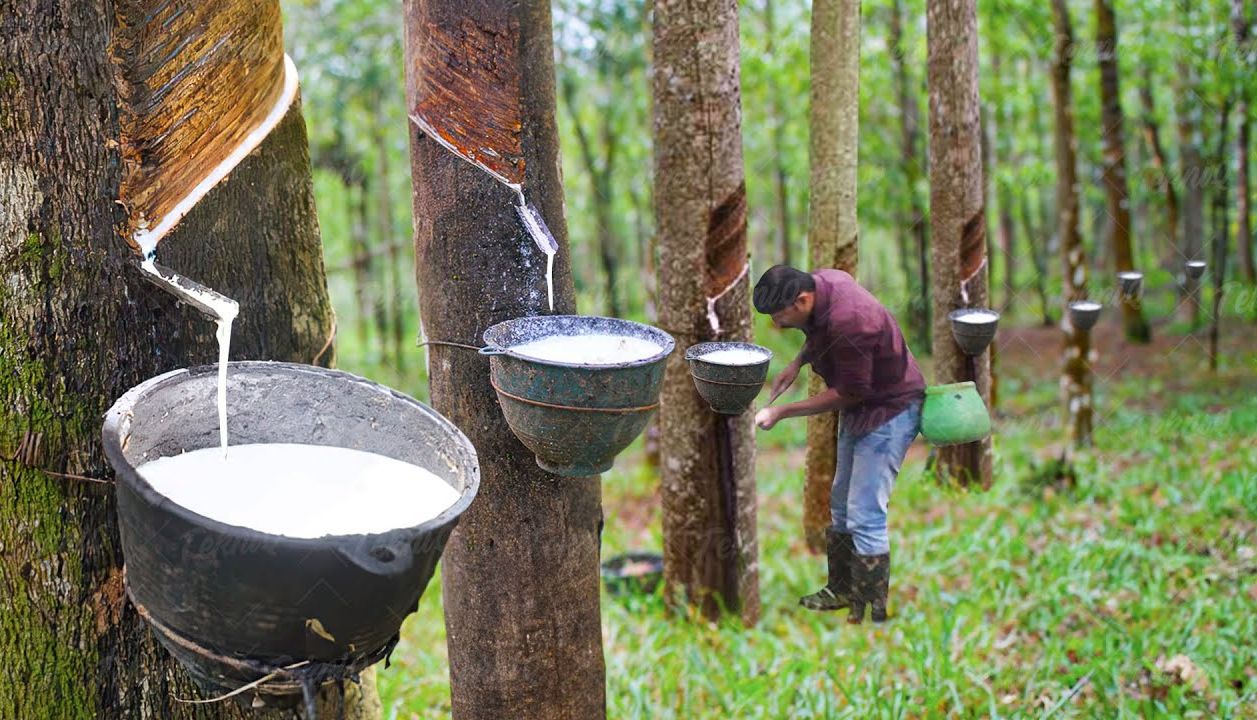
x=1184, y=672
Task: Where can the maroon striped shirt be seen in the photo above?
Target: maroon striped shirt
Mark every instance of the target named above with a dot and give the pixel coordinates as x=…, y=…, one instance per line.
x=856, y=346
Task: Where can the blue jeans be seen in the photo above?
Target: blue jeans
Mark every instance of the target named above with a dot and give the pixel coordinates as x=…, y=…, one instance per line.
x=867, y=467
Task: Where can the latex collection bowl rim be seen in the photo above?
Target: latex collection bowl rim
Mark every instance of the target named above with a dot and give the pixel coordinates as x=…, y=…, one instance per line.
x=954, y=314
x=692, y=352
x=666, y=349
x=117, y=421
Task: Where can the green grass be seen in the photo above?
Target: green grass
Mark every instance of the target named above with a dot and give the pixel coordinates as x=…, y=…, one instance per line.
x=1004, y=602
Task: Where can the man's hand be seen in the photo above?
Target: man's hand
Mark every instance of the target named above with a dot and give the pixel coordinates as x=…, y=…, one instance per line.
x=783, y=381
x=766, y=418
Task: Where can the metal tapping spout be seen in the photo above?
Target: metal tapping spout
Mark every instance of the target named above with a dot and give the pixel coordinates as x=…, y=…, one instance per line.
x=212, y=303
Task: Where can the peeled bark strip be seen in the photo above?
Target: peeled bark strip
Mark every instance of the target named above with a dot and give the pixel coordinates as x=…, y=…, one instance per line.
x=79, y=326
x=957, y=213
x=833, y=232
x=194, y=80
x=1076, y=374
x=1133, y=322
x=520, y=574
x=708, y=483
x=465, y=87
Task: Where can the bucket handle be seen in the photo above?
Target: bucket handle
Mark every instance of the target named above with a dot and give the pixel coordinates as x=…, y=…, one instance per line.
x=490, y=350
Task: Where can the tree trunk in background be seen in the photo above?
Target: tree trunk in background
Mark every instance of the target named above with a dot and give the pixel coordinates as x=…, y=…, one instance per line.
x=833, y=232
x=1038, y=256
x=520, y=574
x=1221, y=233
x=1133, y=322
x=784, y=241
x=599, y=164
x=957, y=213
x=708, y=489
x=79, y=326
x=1241, y=23
x=387, y=235
x=1003, y=136
x=1076, y=375
x=909, y=142
x=1160, y=164
x=1193, y=169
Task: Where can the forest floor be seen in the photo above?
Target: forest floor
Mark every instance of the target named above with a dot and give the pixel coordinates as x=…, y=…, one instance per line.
x=1130, y=593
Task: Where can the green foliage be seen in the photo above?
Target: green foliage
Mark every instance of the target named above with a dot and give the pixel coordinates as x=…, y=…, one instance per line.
x=1004, y=602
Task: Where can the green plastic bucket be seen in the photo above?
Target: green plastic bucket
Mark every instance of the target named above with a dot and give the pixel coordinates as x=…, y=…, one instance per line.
x=954, y=414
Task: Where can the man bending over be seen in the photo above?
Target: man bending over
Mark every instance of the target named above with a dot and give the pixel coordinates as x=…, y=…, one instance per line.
x=855, y=345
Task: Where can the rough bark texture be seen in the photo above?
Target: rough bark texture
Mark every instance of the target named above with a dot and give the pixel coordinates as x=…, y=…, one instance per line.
x=833, y=232
x=1241, y=24
x=909, y=153
x=79, y=326
x=957, y=212
x=710, y=550
x=1076, y=374
x=520, y=574
x=1114, y=171
x=1160, y=165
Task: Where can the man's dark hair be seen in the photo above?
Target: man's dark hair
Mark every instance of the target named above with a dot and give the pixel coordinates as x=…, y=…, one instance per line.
x=779, y=287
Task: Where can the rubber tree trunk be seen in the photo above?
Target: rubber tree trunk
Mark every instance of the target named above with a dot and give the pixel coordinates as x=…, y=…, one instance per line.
x=1241, y=24
x=833, y=233
x=1076, y=395
x=79, y=326
x=1114, y=170
x=957, y=213
x=520, y=573
x=910, y=157
x=700, y=207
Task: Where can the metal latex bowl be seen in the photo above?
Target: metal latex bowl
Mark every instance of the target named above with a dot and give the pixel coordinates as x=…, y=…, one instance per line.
x=574, y=417
x=973, y=337
x=728, y=389
x=271, y=599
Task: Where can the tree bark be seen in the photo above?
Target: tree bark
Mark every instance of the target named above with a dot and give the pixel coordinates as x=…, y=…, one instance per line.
x=910, y=157
x=957, y=213
x=79, y=326
x=1241, y=24
x=833, y=232
x=708, y=481
x=520, y=577
x=1114, y=171
x=1076, y=375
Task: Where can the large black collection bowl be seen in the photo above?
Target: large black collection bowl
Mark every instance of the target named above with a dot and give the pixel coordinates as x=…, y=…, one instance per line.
x=574, y=417
x=241, y=593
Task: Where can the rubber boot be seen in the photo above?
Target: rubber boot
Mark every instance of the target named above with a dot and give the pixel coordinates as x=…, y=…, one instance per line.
x=836, y=595
x=870, y=583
